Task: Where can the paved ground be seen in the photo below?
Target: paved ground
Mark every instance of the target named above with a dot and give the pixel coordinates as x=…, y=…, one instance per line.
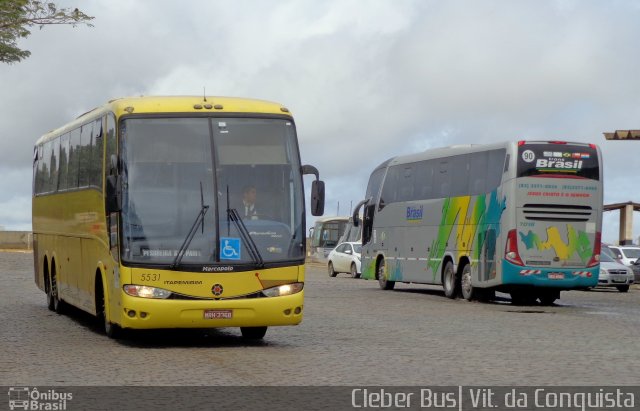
x=353, y=334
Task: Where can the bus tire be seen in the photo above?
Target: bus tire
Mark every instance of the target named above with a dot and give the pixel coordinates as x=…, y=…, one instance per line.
x=110, y=329
x=450, y=281
x=56, y=303
x=548, y=297
x=332, y=272
x=47, y=287
x=354, y=271
x=253, y=333
x=623, y=288
x=382, y=279
x=468, y=290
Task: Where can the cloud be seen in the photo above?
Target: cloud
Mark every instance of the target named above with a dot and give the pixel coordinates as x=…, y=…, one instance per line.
x=365, y=81
x=15, y=199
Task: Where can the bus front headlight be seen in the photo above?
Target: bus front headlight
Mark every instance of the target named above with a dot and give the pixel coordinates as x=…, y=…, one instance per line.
x=286, y=289
x=145, y=291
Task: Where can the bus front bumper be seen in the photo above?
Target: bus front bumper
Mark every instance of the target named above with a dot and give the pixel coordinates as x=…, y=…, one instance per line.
x=563, y=278
x=146, y=313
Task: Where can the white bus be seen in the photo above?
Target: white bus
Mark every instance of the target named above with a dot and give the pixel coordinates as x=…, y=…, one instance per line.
x=324, y=236
x=518, y=217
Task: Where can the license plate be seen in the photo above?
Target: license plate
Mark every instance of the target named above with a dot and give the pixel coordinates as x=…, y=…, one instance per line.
x=218, y=314
x=556, y=276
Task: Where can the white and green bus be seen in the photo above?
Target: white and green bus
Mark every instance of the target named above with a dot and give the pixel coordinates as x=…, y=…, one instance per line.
x=517, y=217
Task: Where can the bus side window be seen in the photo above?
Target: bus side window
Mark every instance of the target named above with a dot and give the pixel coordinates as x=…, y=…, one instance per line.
x=459, y=171
x=443, y=178
x=64, y=162
x=494, y=173
x=424, y=180
x=478, y=164
x=389, y=188
x=405, y=184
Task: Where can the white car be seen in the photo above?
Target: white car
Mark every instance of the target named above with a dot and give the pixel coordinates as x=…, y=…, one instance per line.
x=614, y=274
x=345, y=258
x=627, y=254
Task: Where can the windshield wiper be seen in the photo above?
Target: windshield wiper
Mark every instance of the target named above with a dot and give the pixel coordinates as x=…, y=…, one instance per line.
x=192, y=232
x=233, y=215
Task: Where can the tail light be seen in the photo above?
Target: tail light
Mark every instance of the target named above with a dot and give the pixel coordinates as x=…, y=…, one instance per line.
x=557, y=142
x=597, y=247
x=511, y=249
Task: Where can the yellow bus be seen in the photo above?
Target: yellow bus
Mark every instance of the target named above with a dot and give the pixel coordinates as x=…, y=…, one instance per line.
x=139, y=214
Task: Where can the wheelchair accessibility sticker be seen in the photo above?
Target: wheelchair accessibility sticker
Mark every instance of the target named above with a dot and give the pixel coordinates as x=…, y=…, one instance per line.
x=229, y=248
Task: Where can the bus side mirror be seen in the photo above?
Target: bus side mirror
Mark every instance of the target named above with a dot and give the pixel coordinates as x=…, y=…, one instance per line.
x=317, y=190
x=356, y=211
x=317, y=198
x=114, y=194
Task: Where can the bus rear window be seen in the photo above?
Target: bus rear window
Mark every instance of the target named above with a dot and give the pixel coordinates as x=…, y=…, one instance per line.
x=559, y=160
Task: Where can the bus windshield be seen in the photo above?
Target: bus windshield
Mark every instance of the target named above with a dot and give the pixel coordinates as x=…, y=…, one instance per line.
x=171, y=167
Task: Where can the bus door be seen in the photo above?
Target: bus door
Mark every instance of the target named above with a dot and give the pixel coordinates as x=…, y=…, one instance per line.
x=558, y=206
x=487, y=265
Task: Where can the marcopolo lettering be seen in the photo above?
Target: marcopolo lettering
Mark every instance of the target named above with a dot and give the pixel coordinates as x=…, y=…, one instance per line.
x=544, y=163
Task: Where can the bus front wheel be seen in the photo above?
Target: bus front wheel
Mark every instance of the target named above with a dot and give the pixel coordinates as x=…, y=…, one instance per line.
x=450, y=281
x=110, y=329
x=384, y=283
x=253, y=333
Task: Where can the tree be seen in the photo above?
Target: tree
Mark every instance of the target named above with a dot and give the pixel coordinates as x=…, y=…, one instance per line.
x=17, y=16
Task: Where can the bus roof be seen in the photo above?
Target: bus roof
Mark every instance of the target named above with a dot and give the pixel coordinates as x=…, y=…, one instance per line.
x=447, y=151
x=173, y=104
x=333, y=218
x=465, y=149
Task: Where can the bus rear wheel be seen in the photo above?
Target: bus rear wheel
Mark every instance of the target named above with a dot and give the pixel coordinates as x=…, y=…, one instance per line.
x=381, y=275
x=623, y=288
x=450, y=281
x=49, y=290
x=54, y=301
x=253, y=333
x=467, y=289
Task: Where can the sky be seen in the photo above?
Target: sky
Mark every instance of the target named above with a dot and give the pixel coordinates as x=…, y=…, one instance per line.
x=365, y=79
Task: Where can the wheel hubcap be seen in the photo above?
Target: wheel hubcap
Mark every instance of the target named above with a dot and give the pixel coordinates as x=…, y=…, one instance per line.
x=466, y=283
